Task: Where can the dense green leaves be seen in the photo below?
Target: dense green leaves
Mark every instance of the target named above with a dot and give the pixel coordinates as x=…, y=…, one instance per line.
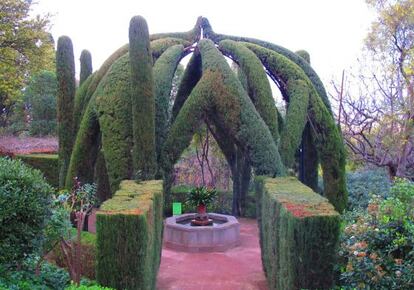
x=65, y=73
x=26, y=48
x=142, y=99
x=86, y=66
x=25, y=198
x=40, y=97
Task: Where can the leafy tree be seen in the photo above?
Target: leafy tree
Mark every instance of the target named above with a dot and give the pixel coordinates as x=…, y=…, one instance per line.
x=40, y=98
x=26, y=48
x=378, y=120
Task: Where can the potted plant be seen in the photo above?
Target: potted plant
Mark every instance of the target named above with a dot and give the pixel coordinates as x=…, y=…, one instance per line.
x=200, y=197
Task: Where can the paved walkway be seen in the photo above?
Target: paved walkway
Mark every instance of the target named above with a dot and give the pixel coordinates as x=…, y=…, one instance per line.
x=237, y=269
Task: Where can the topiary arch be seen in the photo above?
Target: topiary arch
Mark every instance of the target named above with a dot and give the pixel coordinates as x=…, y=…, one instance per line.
x=125, y=129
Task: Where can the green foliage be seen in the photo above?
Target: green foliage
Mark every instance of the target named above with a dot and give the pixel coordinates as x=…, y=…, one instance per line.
x=26, y=48
x=309, y=174
x=85, y=66
x=163, y=70
x=131, y=221
x=82, y=98
x=191, y=76
x=377, y=244
x=362, y=184
x=327, y=137
x=201, y=196
x=24, y=209
x=299, y=232
x=46, y=163
x=50, y=277
x=83, y=287
x=192, y=36
x=142, y=99
x=304, y=54
x=40, y=98
x=65, y=73
x=85, y=148
x=302, y=63
x=257, y=85
x=113, y=107
x=232, y=110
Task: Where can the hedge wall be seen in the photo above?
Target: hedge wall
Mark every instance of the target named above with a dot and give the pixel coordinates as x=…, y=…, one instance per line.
x=299, y=232
x=129, y=236
x=46, y=163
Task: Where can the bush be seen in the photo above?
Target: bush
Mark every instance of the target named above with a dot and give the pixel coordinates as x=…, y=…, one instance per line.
x=46, y=163
x=363, y=183
x=50, y=277
x=91, y=287
x=25, y=198
x=377, y=245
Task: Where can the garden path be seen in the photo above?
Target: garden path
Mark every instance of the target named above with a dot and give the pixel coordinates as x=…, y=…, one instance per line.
x=239, y=268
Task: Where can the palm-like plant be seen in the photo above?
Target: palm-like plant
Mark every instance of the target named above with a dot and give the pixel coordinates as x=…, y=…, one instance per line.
x=201, y=195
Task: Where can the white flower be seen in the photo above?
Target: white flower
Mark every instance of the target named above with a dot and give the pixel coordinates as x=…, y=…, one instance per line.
x=355, y=253
x=398, y=273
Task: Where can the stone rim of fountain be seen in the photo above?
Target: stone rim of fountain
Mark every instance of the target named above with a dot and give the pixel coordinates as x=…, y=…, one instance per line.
x=217, y=238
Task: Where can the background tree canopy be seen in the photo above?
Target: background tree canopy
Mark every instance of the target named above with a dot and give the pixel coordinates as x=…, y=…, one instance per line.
x=26, y=48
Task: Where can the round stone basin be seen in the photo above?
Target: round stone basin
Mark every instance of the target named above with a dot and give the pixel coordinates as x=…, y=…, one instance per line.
x=222, y=235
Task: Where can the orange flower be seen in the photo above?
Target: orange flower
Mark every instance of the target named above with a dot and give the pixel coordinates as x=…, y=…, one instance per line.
x=373, y=256
x=362, y=254
x=398, y=261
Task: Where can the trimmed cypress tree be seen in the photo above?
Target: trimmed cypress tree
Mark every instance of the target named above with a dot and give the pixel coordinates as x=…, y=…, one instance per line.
x=164, y=69
x=142, y=99
x=226, y=105
x=302, y=63
x=308, y=172
x=65, y=74
x=327, y=136
x=85, y=66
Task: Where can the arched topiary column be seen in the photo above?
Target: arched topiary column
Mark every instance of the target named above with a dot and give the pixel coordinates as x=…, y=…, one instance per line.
x=142, y=99
x=307, y=69
x=328, y=138
x=220, y=98
x=308, y=173
x=164, y=69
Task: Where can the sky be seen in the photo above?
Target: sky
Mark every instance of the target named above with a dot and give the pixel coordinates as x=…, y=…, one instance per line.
x=332, y=31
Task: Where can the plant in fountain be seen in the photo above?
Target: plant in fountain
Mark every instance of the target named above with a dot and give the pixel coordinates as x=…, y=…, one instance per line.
x=201, y=197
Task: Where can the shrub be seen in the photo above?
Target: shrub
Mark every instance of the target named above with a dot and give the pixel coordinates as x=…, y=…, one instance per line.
x=24, y=208
x=362, y=184
x=46, y=163
x=84, y=287
x=50, y=277
x=377, y=245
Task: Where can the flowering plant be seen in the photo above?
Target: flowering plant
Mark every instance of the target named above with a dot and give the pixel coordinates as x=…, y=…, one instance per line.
x=377, y=245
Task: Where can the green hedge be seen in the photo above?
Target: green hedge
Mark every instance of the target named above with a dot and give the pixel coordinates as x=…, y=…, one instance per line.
x=129, y=236
x=46, y=163
x=299, y=232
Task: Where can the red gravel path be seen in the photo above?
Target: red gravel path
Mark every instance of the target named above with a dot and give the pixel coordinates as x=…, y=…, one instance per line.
x=10, y=145
x=237, y=269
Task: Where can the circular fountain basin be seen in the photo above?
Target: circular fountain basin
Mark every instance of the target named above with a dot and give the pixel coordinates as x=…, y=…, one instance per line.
x=180, y=235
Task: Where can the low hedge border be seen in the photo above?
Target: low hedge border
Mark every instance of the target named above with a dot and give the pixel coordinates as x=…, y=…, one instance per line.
x=129, y=236
x=46, y=163
x=299, y=233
